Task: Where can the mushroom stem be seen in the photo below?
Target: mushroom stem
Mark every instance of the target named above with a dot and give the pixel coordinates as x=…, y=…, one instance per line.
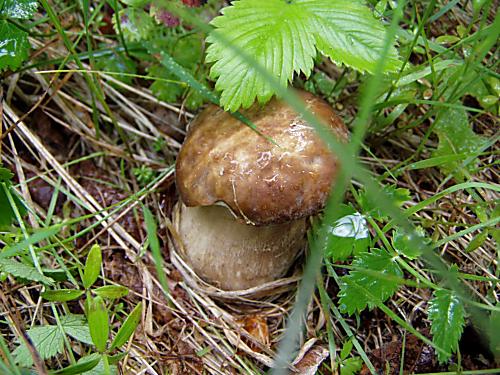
x=235, y=256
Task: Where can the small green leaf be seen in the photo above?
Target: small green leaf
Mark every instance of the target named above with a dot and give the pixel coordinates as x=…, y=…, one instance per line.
x=447, y=39
x=98, y=323
x=92, y=266
x=111, y=291
x=28, y=272
x=447, y=316
x=135, y=24
x=351, y=366
x=397, y=195
x=375, y=277
x=20, y=9
x=477, y=241
x=494, y=324
x=349, y=234
x=402, y=243
x=102, y=369
x=6, y=175
x=117, y=63
x=136, y=3
x=346, y=350
x=84, y=364
x=48, y=341
x=14, y=46
x=114, y=359
x=456, y=137
x=62, y=295
x=166, y=91
x=128, y=327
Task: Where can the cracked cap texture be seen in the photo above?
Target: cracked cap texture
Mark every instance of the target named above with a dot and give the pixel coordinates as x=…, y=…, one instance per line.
x=224, y=161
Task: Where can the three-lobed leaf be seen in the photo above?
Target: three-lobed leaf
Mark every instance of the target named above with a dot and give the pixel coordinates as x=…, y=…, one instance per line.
x=283, y=37
x=447, y=315
x=456, y=138
x=49, y=339
x=375, y=277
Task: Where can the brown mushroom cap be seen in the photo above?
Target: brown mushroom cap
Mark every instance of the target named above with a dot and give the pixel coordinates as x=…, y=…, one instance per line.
x=223, y=160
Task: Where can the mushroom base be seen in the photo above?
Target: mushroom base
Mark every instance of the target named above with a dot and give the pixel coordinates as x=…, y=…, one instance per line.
x=236, y=256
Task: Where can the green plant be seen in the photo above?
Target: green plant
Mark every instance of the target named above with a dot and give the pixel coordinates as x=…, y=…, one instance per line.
x=14, y=45
x=90, y=329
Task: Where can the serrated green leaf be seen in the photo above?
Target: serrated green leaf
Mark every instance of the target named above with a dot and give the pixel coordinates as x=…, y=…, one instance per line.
x=25, y=271
x=20, y=9
x=166, y=91
x=111, y=291
x=374, y=278
x=283, y=38
x=48, y=341
x=98, y=323
x=76, y=326
x=402, y=243
x=62, y=295
x=135, y=24
x=5, y=175
x=128, y=327
x=351, y=366
x=397, y=195
x=456, y=137
x=92, y=266
x=14, y=46
x=84, y=364
x=447, y=316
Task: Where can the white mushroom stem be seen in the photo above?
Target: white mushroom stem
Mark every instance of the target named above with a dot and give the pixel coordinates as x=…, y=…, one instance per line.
x=236, y=256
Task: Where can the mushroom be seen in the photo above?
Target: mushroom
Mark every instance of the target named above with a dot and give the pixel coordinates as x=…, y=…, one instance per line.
x=245, y=199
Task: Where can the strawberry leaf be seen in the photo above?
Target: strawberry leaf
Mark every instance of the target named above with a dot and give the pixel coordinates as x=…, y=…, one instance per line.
x=283, y=37
x=374, y=279
x=446, y=313
x=456, y=138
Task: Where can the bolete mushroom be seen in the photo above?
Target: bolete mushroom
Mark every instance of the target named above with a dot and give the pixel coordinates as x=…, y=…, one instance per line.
x=245, y=199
